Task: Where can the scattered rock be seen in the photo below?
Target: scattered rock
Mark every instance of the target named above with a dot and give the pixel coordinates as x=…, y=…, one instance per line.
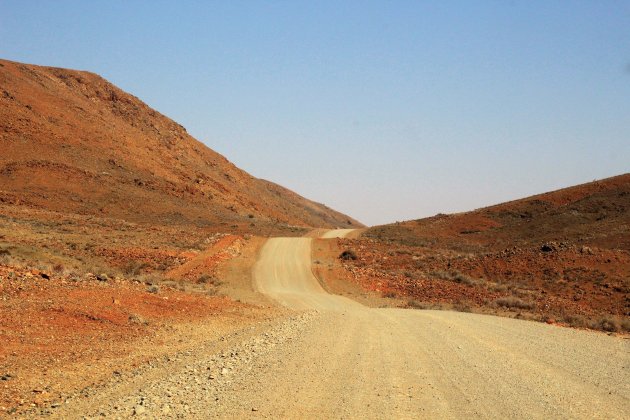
x=586, y=250
x=153, y=289
x=139, y=410
x=102, y=277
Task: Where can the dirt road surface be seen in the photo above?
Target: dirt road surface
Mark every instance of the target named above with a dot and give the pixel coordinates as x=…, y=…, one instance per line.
x=337, y=359
x=355, y=362
x=337, y=233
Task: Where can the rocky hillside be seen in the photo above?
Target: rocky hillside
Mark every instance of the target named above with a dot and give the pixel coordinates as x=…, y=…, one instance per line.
x=592, y=214
x=72, y=142
x=562, y=256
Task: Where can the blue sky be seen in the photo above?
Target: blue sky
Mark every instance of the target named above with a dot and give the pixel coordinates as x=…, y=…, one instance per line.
x=385, y=110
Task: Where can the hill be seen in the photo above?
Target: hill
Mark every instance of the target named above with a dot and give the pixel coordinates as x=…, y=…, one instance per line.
x=74, y=143
x=562, y=256
x=592, y=214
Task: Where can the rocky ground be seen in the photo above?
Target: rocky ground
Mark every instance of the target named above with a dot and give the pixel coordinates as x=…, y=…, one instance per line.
x=559, y=257
x=61, y=334
x=555, y=283
x=83, y=300
x=189, y=384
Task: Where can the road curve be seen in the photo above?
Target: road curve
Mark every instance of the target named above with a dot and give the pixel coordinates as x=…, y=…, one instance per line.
x=283, y=272
x=356, y=362
x=337, y=233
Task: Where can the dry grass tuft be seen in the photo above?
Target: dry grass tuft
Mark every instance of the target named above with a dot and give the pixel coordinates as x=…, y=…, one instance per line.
x=514, y=303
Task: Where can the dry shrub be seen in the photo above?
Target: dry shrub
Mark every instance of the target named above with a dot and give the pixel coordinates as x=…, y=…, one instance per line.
x=455, y=277
x=209, y=279
x=464, y=279
x=462, y=307
x=133, y=268
x=498, y=288
x=606, y=324
x=416, y=305
x=576, y=321
x=153, y=289
x=514, y=302
x=348, y=254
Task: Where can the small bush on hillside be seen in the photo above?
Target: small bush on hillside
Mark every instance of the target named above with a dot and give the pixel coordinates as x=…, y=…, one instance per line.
x=209, y=279
x=463, y=279
x=416, y=305
x=462, y=307
x=514, y=302
x=606, y=324
x=576, y=321
x=455, y=277
x=133, y=268
x=498, y=287
x=204, y=278
x=347, y=255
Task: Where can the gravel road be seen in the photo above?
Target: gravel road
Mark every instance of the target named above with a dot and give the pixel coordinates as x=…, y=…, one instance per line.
x=337, y=359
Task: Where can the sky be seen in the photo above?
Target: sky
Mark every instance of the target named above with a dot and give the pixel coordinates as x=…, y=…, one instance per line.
x=384, y=110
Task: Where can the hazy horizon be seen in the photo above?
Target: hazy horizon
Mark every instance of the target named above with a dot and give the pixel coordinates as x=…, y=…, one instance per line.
x=384, y=111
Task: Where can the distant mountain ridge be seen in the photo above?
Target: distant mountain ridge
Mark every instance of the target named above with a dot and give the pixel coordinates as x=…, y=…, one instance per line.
x=73, y=142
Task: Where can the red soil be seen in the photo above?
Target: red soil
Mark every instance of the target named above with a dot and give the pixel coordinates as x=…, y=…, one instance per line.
x=60, y=334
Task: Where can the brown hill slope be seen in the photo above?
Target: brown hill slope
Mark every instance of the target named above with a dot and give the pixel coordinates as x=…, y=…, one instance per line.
x=563, y=256
x=592, y=214
x=72, y=142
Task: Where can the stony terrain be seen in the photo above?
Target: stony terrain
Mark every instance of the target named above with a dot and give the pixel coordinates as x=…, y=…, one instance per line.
x=560, y=257
x=61, y=333
x=345, y=360
x=189, y=384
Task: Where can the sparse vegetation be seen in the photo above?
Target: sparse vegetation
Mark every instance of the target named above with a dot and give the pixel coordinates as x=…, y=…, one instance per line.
x=512, y=302
x=153, y=289
x=348, y=254
x=416, y=305
x=454, y=276
x=134, y=268
x=606, y=324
